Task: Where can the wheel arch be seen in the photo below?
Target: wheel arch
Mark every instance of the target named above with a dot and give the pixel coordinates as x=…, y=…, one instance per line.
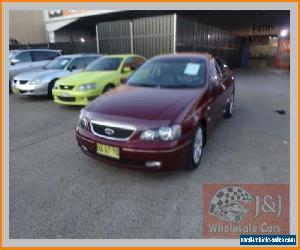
x=109, y=84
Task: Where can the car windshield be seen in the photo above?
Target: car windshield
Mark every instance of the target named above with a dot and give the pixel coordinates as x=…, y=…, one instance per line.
x=105, y=64
x=58, y=63
x=170, y=73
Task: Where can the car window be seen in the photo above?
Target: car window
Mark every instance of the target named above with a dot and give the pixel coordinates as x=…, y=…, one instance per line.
x=137, y=62
x=58, y=63
x=52, y=54
x=24, y=57
x=105, y=64
x=213, y=73
x=89, y=59
x=39, y=56
x=77, y=63
x=219, y=72
x=133, y=62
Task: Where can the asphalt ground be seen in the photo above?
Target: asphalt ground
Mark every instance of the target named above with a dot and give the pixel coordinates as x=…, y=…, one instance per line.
x=58, y=192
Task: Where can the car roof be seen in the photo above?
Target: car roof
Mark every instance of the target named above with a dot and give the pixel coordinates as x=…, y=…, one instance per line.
x=78, y=55
x=205, y=56
x=122, y=55
x=21, y=50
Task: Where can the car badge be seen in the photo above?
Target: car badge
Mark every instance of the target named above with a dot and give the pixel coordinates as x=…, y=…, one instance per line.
x=109, y=131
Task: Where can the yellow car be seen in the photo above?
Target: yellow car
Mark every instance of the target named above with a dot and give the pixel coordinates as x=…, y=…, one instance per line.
x=97, y=78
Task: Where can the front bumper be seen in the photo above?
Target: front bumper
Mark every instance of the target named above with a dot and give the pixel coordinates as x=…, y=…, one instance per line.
x=71, y=97
x=30, y=90
x=170, y=156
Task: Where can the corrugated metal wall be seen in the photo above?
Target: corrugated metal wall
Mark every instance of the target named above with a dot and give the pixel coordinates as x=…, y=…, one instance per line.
x=150, y=36
x=192, y=35
x=153, y=35
x=114, y=37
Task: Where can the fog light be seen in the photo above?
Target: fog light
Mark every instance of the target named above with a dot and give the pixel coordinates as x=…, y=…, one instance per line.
x=84, y=148
x=153, y=164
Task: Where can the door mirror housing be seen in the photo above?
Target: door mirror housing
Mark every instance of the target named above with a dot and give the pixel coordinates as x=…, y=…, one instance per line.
x=126, y=69
x=213, y=83
x=14, y=61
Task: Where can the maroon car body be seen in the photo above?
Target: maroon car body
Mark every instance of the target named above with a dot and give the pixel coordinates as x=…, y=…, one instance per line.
x=130, y=110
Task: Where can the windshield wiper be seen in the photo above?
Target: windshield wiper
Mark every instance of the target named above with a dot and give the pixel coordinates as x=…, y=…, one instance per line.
x=180, y=86
x=145, y=85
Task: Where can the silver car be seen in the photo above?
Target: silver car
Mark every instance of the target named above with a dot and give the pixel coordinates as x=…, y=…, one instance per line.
x=41, y=82
x=23, y=60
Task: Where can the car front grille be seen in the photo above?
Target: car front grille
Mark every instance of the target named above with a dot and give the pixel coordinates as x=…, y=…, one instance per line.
x=67, y=99
x=112, y=132
x=66, y=87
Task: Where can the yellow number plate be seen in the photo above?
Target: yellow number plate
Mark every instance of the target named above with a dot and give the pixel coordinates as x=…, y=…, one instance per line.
x=109, y=151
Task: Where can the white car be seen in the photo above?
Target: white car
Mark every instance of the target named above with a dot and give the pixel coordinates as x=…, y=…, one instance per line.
x=22, y=60
x=41, y=82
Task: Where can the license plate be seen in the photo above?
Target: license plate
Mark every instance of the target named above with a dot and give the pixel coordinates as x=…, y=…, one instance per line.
x=65, y=95
x=113, y=152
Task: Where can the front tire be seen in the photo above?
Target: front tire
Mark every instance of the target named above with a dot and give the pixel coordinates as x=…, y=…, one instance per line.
x=195, y=153
x=50, y=88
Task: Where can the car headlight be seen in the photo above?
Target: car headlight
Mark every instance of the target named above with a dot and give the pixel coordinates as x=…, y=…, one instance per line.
x=36, y=81
x=162, y=133
x=83, y=121
x=85, y=87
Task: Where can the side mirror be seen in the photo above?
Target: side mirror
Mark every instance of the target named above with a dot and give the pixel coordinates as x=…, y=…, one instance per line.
x=213, y=83
x=73, y=67
x=14, y=61
x=126, y=69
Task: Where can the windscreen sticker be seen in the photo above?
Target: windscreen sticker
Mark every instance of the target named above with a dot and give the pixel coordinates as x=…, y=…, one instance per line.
x=192, y=69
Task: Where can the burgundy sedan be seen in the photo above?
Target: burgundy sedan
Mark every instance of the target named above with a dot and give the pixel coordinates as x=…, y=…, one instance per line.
x=161, y=117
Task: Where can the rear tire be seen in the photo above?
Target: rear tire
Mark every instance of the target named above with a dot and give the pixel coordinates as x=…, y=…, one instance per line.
x=196, y=149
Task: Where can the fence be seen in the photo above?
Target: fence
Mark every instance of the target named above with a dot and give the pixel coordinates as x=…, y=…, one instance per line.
x=150, y=36
x=65, y=47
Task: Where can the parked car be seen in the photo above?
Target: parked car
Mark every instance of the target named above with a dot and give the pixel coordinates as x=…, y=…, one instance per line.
x=99, y=77
x=161, y=118
x=41, y=82
x=22, y=60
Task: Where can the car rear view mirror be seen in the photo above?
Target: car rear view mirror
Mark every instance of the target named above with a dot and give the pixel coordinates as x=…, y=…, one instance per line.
x=126, y=69
x=213, y=83
x=73, y=67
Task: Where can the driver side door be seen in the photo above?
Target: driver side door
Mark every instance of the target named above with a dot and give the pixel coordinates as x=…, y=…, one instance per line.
x=214, y=107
